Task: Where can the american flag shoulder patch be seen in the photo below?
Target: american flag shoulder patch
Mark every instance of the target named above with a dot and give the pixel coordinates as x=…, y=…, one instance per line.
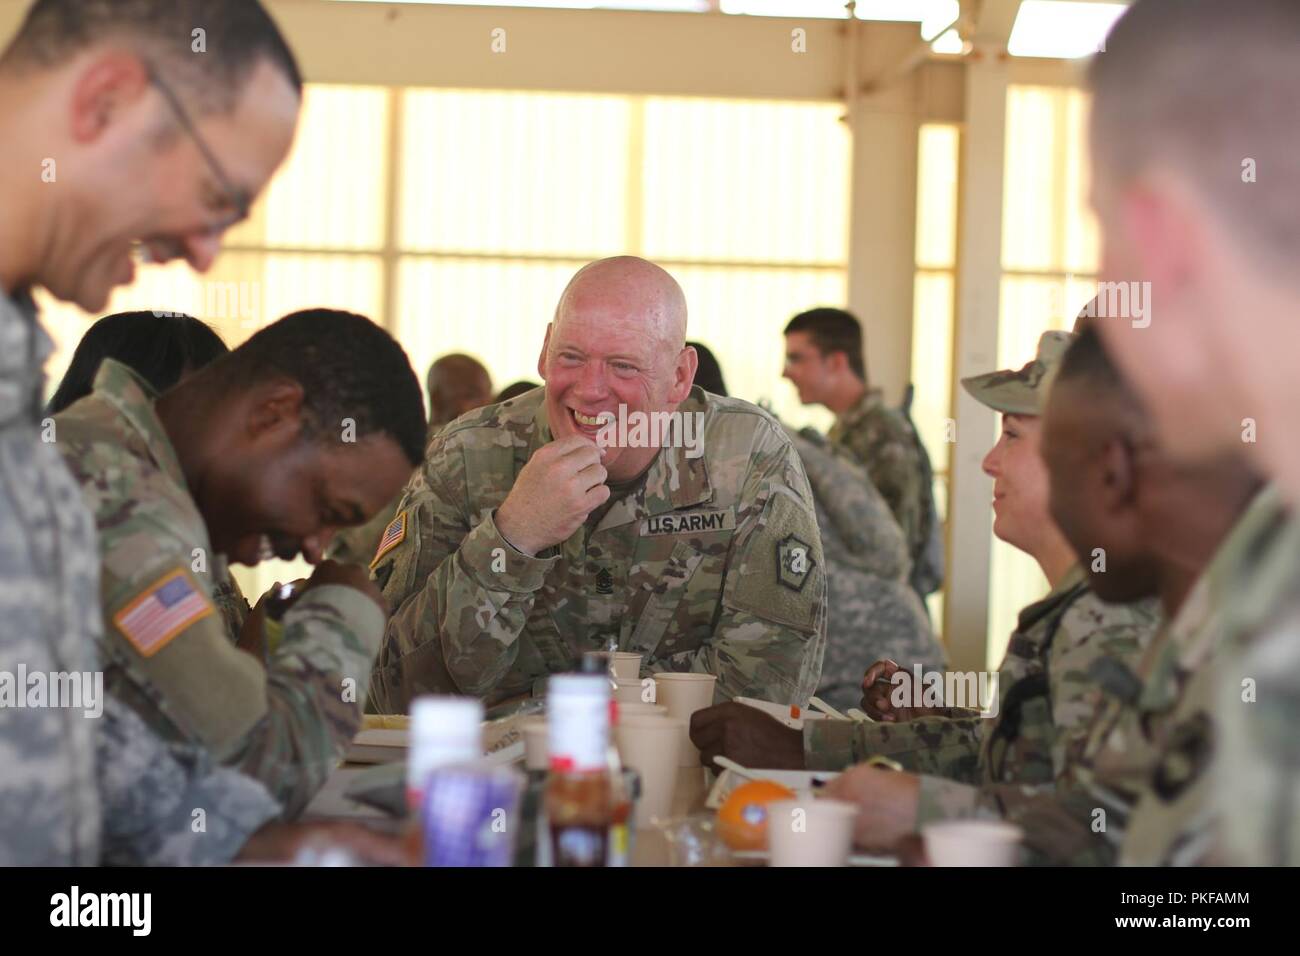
x=163, y=610
x=393, y=535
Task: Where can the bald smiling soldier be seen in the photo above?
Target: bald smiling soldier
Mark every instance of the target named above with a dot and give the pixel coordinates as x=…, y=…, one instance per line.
x=540, y=528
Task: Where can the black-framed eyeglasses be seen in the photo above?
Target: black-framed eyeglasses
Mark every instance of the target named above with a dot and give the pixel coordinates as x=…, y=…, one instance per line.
x=236, y=197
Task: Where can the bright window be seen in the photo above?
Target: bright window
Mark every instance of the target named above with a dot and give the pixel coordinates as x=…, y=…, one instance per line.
x=1049, y=263
x=938, y=151
x=455, y=217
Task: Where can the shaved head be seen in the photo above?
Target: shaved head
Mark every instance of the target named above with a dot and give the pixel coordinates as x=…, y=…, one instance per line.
x=1195, y=141
x=633, y=289
x=457, y=384
x=1206, y=86
x=617, y=346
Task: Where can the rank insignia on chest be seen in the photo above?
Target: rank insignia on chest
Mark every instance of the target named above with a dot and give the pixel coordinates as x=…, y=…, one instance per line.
x=604, y=582
x=794, y=562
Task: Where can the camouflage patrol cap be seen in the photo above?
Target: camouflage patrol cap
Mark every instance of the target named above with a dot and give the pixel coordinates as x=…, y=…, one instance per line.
x=1021, y=392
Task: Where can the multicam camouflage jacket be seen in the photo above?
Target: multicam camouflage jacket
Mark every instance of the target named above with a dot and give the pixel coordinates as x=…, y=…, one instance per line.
x=84, y=781
x=886, y=444
x=167, y=651
x=988, y=766
x=1254, y=787
x=1139, y=791
x=873, y=613
x=711, y=564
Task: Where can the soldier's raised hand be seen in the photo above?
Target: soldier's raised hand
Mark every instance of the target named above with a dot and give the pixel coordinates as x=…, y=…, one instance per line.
x=559, y=486
x=878, y=689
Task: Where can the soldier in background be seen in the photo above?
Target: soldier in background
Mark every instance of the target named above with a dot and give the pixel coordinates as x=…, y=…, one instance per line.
x=1207, y=228
x=456, y=384
x=872, y=612
x=824, y=360
x=528, y=538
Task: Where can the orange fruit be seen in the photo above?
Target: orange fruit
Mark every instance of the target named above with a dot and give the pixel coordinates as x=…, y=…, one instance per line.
x=742, y=818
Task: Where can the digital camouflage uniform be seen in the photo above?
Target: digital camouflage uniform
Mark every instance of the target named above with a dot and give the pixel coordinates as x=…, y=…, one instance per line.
x=885, y=442
x=76, y=789
x=287, y=723
x=1254, y=785
x=710, y=564
x=873, y=613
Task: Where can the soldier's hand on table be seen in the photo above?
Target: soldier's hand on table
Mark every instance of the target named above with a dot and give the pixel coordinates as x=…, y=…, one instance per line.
x=282, y=842
x=348, y=575
x=560, y=485
x=877, y=697
x=886, y=801
x=747, y=736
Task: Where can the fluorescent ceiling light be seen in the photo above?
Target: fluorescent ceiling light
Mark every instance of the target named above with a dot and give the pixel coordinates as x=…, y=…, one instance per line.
x=1062, y=29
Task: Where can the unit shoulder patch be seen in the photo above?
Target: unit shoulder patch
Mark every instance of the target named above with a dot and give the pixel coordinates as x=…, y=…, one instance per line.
x=794, y=562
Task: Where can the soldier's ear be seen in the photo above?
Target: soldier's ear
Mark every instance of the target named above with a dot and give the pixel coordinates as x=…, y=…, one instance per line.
x=688, y=363
x=275, y=411
x=1119, y=476
x=541, y=359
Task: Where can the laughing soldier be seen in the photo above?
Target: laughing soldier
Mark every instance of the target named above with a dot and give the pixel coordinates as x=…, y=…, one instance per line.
x=522, y=543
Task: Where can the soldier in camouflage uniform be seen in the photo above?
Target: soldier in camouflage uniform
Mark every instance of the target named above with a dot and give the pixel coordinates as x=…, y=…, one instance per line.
x=286, y=724
x=1218, y=365
x=824, y=361
x=77, y=789
x=963, y=764
x=1145, y=525
x=528, y=538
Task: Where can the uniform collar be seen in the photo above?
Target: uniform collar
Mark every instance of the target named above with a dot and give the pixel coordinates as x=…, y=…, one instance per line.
x=871, y=400
x=1067, y=589
x=133, y=398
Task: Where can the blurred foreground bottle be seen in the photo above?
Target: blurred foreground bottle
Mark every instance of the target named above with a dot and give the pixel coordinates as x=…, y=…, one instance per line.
x=579, y=800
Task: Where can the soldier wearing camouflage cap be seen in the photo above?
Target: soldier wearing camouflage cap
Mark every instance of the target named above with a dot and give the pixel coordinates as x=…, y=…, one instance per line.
x=528, y=538
x=962, y=764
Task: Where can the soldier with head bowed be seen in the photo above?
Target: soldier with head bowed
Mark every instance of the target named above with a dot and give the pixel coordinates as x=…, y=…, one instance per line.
x=618, y=506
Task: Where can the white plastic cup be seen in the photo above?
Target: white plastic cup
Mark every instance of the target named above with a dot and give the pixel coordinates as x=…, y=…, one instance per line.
x=972, y=843
x=533, y=730
x=625, y=664
x=810, y=832
x=683, y=694
x=650, y=745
